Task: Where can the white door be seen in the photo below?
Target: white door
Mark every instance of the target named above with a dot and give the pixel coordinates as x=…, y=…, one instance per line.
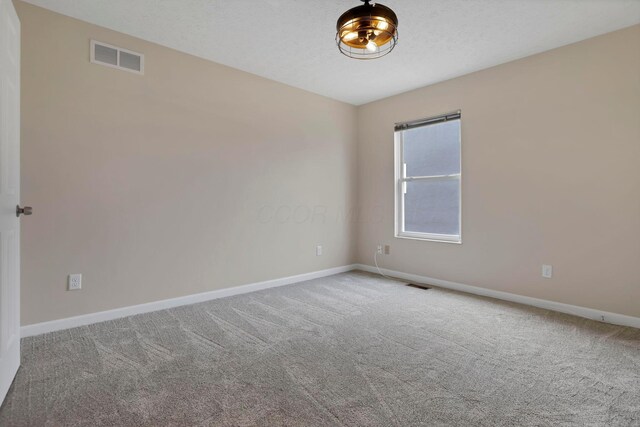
x=9, y=195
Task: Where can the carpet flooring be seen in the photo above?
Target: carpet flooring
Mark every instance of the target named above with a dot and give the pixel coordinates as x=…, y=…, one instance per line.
x=353, y=349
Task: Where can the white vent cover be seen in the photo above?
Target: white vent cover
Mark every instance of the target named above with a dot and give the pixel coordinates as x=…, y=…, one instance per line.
x=116, y=57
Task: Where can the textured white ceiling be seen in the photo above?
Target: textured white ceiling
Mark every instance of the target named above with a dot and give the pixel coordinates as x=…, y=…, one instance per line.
x=292, y=41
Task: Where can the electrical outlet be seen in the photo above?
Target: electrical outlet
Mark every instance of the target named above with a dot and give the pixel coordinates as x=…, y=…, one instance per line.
x=75, y=282
x=387, y=249
x=380, y=249
x=547, y=271
x=319, y=250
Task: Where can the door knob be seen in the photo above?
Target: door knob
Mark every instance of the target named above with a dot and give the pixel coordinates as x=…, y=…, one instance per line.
x=27, y=210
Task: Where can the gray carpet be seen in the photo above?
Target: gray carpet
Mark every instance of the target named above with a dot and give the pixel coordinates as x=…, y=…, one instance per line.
x=348, y=350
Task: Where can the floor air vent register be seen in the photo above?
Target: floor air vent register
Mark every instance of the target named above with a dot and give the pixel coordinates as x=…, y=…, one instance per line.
x=417, y=286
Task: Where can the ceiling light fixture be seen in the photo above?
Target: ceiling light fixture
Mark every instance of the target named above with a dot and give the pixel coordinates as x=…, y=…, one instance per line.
x=368, y=31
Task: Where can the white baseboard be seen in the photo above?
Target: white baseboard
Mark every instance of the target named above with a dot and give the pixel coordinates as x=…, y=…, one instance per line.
x=87, y=319
x=589, y=313
x=101, y=316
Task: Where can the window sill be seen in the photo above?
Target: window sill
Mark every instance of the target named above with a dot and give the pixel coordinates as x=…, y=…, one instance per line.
x=440, y=238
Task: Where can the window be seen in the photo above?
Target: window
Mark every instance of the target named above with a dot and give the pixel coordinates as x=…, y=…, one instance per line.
x=428, y=178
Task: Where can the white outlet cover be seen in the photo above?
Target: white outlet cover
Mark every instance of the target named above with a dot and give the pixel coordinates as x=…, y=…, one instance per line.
x=547, y=271
x=74, y=282
x=318, y=250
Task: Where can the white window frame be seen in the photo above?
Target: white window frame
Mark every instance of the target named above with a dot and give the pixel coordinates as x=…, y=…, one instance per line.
x=400, y=186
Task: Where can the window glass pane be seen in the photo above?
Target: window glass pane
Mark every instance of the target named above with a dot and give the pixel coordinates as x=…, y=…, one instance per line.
x=432, y=149
x=432, y=206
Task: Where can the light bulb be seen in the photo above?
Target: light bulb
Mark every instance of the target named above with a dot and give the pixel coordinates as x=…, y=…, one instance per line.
x=383, y=25
x=350, y=36
x=371, y=46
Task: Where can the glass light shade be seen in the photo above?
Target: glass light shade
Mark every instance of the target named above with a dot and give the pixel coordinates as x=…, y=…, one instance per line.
x=367, y=31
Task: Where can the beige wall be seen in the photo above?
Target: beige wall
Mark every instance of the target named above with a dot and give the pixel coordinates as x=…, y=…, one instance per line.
x=153, y=186
x=551, y=174
x=166, y=184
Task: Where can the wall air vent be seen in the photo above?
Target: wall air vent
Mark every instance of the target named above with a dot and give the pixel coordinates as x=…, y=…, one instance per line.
x=116, y=57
